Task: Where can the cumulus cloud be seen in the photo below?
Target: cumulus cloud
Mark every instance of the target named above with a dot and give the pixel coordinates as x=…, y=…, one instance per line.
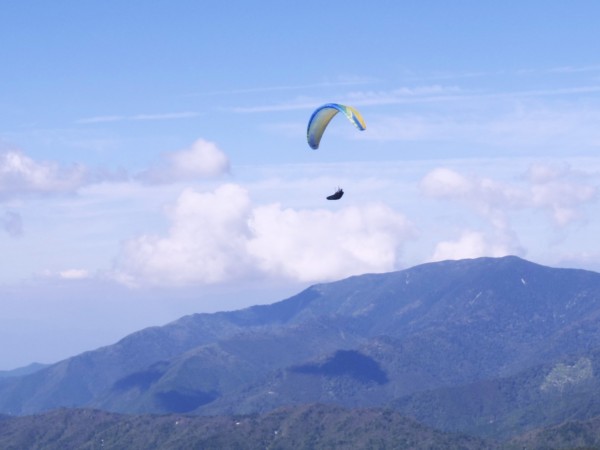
x=561, y=191
x=220, y=236
x=205, y=243
x=310, y=245
x=20, y=174
x=201, y=160
x=558, y=190
x=446, y=183
x=474, y=244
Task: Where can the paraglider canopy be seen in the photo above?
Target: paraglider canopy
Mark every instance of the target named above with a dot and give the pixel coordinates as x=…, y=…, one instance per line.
x=321, y=117
x=337, y=195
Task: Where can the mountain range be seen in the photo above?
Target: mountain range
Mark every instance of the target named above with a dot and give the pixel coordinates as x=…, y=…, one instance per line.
x=491, y=346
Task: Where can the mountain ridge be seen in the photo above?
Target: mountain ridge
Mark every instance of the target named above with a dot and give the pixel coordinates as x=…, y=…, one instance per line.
x=362, y=341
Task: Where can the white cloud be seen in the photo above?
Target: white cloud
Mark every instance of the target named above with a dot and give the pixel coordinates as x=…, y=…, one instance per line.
x=446, y=183
x=74, y=274
x=310, y=245
x=202, y=159
x=473, y=244
x=220, y=236
x=488, y=198
x=205, y=243
x=66, y=274
x=558, y=190
x=20, y=174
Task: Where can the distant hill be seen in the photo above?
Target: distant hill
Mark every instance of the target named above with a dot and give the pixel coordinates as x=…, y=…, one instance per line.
x=489, y=331
x=308, y=427
x=30, y=368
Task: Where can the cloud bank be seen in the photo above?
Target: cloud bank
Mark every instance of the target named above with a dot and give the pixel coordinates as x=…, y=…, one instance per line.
x=220, y=236
x=557, y=190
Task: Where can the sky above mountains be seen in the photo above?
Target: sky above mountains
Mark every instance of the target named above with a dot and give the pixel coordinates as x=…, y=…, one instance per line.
x=153, y=157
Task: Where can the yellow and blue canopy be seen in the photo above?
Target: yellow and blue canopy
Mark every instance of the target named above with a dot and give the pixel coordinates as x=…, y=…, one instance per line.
x=322, y=116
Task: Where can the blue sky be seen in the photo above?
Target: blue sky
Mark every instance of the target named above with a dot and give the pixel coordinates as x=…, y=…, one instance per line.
x=153, y=156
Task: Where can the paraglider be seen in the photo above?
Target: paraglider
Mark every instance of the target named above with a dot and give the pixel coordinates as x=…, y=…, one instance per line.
x=321, y=117
x=337, y=195
x=319, y=120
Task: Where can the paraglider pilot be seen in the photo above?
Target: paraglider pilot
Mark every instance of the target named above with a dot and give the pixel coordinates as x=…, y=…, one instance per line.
x=338, y=194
